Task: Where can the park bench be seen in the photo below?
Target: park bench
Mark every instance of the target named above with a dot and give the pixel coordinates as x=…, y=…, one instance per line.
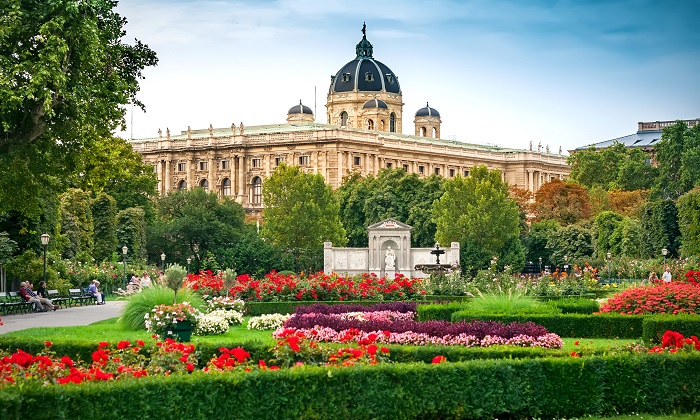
x=90, y=297
x=13, y=303
x=55, y=297
x=78, y=297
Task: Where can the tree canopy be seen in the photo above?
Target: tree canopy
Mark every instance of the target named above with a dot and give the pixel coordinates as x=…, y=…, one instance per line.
x=64, y=75
x=301, y=211
x=564, y=202
x=678, y=155
x=614, y=167
x=478, y=212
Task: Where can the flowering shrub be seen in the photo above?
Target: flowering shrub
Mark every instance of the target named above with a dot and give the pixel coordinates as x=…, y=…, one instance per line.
x=277, y=287
x=227, y=303
x=231, y=359
x=162, y=318
x=206, y=283
x=125, y=360
x=213, y=323
x=322, y=308
x=665, y=298
x=297, y=348
x=267, y=321
x=673, y=341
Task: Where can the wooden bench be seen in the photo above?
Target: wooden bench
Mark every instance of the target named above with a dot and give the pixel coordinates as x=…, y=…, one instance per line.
x=14, y=303
x=57, y=299
x=89, y=297
x=78, y=297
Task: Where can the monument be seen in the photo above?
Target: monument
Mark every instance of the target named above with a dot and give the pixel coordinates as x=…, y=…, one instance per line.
x=389, y=253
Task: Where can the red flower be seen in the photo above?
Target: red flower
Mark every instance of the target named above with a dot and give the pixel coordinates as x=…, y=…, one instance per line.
x=439, y=359
x=372, y=349
x=123, y=344
x=574, y=354
x=576, y=343
x=48, y=343
x=190, y=367
x=140, y=343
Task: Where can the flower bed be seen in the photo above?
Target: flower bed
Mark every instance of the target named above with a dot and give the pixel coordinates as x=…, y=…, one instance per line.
x=322, y=287
x=267, y=322
x=670, y=298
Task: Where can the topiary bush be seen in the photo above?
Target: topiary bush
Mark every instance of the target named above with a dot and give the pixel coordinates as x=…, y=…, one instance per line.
x=140, y=304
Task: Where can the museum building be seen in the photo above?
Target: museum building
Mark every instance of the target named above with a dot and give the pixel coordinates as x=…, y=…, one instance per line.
x=365, y=113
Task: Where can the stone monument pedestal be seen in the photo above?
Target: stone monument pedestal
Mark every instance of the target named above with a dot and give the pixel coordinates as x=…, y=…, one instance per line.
x=389, y=274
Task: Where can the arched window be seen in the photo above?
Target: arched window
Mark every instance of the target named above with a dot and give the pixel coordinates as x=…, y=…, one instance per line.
x=381, y=125
x=343, y=119
x=392, y=123
x=423, y=132
x=182, y=185
x=204, y=184
x=226, y=187
x=434, y=133
x=370, y=125
x=257, y=190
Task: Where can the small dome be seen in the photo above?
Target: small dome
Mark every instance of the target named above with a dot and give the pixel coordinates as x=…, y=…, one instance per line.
x=300, y=109
x=427, y=111
x=375, y=103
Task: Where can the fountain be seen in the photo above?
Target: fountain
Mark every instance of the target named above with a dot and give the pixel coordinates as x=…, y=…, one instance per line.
x=437, y=268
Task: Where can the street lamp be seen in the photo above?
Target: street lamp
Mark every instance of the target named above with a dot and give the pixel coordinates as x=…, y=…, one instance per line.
x=45, y=241
x=664, y=252
x=609, y=255
x=125, y=249
x=566, y=264
x=162, y=261
x=189, y=260
x=540, y=265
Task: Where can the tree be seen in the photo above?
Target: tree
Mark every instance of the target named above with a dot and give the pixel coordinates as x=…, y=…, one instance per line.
x=573, y=241
x=7, y=249
x=627, y=203
x=112, y=166
x=535, y=242
x=607, y=225
x=77, y=228
x=689, y=222
x=678, y=155
x=477, y=211
x=614, y=167
x=66, y=75
x=300, y=212
x=131, y=231
x=194, y=217
x=104, y=216
x=599, y=200
x=659, y=221
x=565, y=202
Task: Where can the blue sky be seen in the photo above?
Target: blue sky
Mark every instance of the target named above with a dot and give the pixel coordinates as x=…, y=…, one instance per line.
x=563, y=73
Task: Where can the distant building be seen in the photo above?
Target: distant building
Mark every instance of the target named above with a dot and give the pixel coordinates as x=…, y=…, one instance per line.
x=646, y=137
x=365, y=110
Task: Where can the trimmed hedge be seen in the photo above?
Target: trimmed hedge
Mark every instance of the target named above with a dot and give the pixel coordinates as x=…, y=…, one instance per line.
x=570, y=325
x=439, y=311
x=547, y=388
x=655, y=326
x=575, y=305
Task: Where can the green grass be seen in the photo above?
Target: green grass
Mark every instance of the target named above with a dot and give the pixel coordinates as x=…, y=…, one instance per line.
x=594, y=343
x=645, y=417
x=109, y=330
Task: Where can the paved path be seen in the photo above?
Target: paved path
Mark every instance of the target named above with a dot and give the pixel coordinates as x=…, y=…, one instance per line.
x=66, y=317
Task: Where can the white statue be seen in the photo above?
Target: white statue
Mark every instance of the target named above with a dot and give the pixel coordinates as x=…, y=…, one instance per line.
x=390, y=259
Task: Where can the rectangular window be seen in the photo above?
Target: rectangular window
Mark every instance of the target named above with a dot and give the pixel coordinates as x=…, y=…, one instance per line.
x=346, y=77
x=452, y=173
x=303, y=160
x=256, y=162
x=466, y=174
x=203, y=165
x=225, y=164
x=369, y=77
x=388, y=165
x=278, y=161
x=421, y=169
x=437, y=171
x=405, y=168
x=357, y=161
x=181, y=167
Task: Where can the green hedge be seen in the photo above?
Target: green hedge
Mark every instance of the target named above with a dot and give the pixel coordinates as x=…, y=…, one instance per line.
x=545, y=388
x=569, y=325
x=575, y=305
x=439, y=311
x=655, y=326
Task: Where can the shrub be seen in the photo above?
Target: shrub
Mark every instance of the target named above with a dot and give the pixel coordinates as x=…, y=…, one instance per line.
x=671, y=298
x=575, y=305
x=267, y=322
x=140, y=304
x=655, y=326
x=174, y=275
x=439, y=311
x=213, y=323
x=509, y=301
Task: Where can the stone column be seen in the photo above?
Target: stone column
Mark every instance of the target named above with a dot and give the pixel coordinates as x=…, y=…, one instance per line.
x=340, y=169
x=454, y=253
x=529, y=182
x=168, y=179
x=241, y=180
x=190, y=175
x=212, y=176
x=376, y=164
x=328, y=266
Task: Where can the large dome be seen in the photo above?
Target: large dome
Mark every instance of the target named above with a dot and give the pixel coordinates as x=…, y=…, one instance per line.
x=364, y=73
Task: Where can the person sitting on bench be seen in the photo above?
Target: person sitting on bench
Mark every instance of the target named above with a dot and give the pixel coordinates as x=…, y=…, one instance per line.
x=94, y=291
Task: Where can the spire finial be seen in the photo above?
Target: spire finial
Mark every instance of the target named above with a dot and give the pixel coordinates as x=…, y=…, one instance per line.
x=364, y=29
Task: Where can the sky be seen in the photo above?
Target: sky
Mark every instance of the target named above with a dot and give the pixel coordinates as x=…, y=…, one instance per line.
x=561, y=73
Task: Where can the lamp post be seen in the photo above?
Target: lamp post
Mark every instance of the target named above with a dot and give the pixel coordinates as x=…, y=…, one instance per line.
x=125, y=250
x=162, y=261
x=566, y=264
x=45, y=241
x=609, y=255
x=540, y=266
x=189, y=260
x=664, y=252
